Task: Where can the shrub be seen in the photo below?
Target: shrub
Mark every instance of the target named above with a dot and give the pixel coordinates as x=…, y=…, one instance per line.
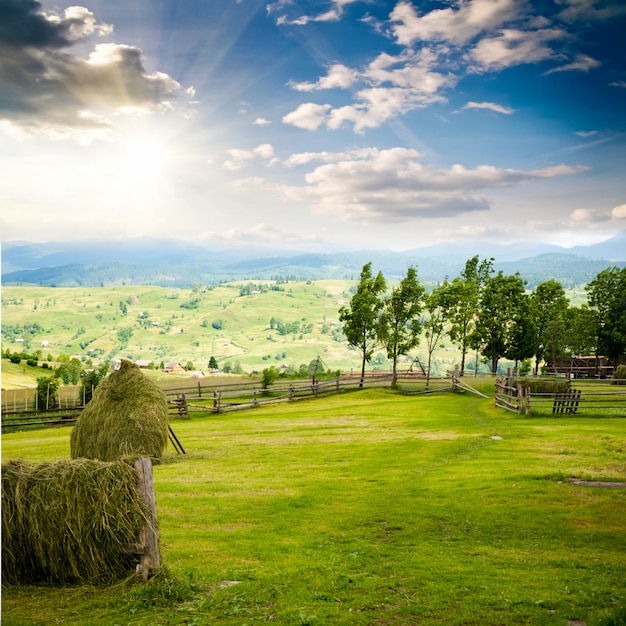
x=544, y=386
x=127, y=417
x=69, y=521
x=619, y=376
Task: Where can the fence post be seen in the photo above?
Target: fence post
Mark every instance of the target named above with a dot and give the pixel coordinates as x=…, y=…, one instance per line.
x=150, y=557
x=520, y=398
x=527, y=400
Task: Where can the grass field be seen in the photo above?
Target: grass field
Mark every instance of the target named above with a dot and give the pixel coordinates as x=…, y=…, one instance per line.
x=368, y=508
x=162, y=325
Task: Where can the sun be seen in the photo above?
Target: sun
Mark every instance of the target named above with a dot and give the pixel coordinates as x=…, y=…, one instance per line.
x=144, y=157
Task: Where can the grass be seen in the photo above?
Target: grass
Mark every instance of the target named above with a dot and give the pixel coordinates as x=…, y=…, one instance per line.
x=85, y=322
x=368, y=508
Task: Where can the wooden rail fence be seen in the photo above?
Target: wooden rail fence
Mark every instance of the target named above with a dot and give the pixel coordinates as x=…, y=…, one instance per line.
x=594, y=398
x=198, y=398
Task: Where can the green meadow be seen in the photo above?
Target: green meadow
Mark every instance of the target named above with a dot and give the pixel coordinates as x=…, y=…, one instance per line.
x=367, y=508
x=235, y=322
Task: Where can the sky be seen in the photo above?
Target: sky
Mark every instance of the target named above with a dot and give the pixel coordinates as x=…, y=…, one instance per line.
x=310, y=126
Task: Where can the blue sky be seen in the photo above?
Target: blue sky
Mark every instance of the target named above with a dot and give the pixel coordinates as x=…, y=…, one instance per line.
x=313, y=126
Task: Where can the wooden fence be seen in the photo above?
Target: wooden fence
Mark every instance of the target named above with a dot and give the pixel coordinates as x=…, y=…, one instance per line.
x=198, y=398
x=593, y=398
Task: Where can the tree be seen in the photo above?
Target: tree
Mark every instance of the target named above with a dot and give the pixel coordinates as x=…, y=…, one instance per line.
x=499, y=304
x=213, y=363
x=400, y=327
x=47, y=388
x=606, y=295
x=523, y=333
x=433, y=325
x=460, y=299
x=92, y=380
x=548, y=307
x=582, y=330
x=361, y=319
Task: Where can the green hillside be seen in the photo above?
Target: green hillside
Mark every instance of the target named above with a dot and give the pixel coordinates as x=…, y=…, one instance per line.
x=253, y=324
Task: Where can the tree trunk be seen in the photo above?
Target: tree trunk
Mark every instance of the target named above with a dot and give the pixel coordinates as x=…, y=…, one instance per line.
x=362, y=373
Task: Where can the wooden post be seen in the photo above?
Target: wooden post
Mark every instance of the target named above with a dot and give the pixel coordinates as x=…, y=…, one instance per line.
x=520, y=398
x=527, y=400
x=150, y=557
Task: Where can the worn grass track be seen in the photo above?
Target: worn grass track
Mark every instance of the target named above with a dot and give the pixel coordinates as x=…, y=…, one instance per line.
x=369, y=508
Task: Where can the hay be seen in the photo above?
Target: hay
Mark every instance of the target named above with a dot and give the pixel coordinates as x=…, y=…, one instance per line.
x=69, y=521
x=127, y=417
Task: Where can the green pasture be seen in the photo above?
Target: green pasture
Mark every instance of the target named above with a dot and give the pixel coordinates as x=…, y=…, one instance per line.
x=368, y=508
x=162, y=325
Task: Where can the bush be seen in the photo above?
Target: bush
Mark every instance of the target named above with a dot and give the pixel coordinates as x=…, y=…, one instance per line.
x=269, y=376
x=619, y=376
x=544, y=386
x=15, y=358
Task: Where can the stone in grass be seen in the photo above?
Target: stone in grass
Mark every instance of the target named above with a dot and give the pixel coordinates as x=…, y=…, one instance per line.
x=126, y=418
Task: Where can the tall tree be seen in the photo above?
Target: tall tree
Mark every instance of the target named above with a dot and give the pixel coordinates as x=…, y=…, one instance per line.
x=606, y=295
x=523, y=332
x=495, y=327
x=361, y=319
x=400, y=326
x=549, y=311
x=460, y=299
x=582, y=330
x=434, y=325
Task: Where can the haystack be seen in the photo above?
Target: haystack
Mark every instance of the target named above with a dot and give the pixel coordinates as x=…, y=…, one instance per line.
x=126, y=418
x=69, y=521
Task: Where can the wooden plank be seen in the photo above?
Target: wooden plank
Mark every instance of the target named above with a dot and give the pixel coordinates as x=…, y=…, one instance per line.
x=151, y=558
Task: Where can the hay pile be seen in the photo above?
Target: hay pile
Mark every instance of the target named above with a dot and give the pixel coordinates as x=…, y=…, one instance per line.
x=69, y=521
x=127, y=417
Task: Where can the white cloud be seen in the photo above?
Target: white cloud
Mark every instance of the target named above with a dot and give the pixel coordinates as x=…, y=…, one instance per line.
x=456, y=25
x=309, y=116
x=303, y=158
x=618, y=83
x=394, y=186
x=588, y=216
x=514, y=47
x=619, y=212
x=583, y=215
x=587, y=9
x=397, y=84
x=333, y=14
x=338, y=76
x=261, y=121
x=582, y=63
x=260, y=235
x=491, y=106
x=586, y=133
x=239, y=158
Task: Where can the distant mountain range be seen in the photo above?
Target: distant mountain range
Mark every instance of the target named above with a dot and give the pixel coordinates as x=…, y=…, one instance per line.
x=175, y=263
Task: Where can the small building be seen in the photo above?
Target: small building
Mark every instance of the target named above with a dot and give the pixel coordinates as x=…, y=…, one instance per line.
x=143, y=363
x=175, y=368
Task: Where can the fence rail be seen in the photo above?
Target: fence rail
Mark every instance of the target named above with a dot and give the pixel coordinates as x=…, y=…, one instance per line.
x=594, y=398
x=198, y=398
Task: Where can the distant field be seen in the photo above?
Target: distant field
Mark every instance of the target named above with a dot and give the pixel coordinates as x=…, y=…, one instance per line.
x=191, y=325
x=368, y=508
x=163, y=325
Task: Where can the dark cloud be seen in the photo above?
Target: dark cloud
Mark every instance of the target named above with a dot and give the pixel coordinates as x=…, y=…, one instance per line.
x=46, y=88
x=23, y=23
